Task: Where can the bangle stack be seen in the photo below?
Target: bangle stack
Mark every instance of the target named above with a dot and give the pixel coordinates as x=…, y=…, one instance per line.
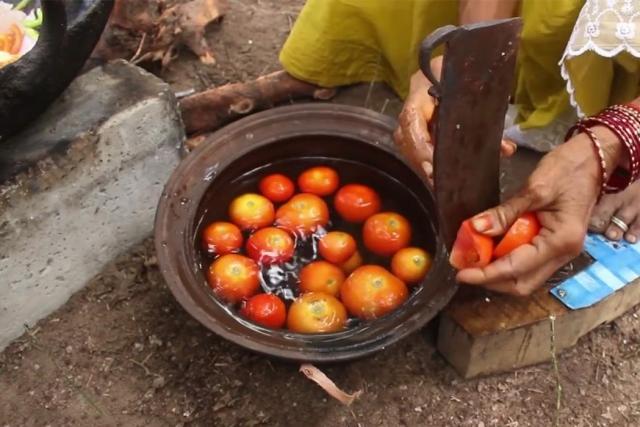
x=624, y=122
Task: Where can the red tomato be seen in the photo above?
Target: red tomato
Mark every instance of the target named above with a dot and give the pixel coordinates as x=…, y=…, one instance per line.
x=356, y=202
x=234, y=277
x=266, y=310
x=251, y=211
x=337, y=246
x=321, y=276
x=410, y=264
x=277, y=187
x=520, y=233
x=471, y=249
x=319, y=180
x=303, y=214
x=270, y=245
x=316, y=312
x=371, y=291
x=352, y=263
x=221, y=238
x=386, y=233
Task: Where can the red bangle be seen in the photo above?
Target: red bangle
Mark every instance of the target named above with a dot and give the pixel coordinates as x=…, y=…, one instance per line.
x=582, y=128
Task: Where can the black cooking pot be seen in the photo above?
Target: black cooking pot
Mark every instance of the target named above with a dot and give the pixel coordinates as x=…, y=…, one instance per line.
x=69, y=33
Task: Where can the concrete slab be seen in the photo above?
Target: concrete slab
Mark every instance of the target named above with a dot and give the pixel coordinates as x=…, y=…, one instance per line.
x=80, y=186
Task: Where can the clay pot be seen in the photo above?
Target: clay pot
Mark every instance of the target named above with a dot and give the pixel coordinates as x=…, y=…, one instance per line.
x=200, y=181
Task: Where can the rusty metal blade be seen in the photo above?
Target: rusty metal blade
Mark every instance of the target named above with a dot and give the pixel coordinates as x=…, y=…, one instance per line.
x=473, y=95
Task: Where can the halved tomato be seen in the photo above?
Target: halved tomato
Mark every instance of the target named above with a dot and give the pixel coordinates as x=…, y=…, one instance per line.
x=520, y=233
x=471, y=249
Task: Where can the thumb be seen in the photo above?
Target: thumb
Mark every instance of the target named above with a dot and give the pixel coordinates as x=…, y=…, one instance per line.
x=496, y=221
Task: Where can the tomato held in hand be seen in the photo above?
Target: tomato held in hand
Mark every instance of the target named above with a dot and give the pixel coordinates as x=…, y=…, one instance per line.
x=234, y=277
x=277, y=188
x=471, y=249
x=520, y=233
x=319, y=180
x=316, y=312
x=371, y=291
x=221, y=238
x=270, y=245
x=251, y=211
x=337, y=246
x=266, y=310
x=356, y=202
x=321, y=276
x=303, y=214
x=410, y=264
x=386, y=233
x=352, y=263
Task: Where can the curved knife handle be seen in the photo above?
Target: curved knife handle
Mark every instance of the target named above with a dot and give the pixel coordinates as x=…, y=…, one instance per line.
x=429, y=44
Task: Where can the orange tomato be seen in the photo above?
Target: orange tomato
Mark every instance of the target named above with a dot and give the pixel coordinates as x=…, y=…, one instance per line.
x=321, y=276
x=270, y=245
x=410, y=264
x=319, y=180
x=266, y=310
x=277, y=187
x=221, y=238
x=471, y=249
x=251, y=211
x=520, y=233
x=303, y=214
x=371, y=291
x=337, y=246
x=386, y=233
x=234, y=277
x=352, y=263
x=11, y=40
x=356, y=202
x=316, y=312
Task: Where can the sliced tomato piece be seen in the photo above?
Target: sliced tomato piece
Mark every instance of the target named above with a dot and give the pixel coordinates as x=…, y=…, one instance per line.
x=520, y=233
x=471, y=249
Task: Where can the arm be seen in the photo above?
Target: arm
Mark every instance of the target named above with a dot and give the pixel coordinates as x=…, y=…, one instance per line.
x=472, y=11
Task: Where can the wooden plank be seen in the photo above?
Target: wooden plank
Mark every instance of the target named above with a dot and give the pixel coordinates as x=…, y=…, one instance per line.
x=481, y=334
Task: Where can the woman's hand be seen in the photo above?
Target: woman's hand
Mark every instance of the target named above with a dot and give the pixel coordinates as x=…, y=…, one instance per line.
x=412, y=135
x=562, y=191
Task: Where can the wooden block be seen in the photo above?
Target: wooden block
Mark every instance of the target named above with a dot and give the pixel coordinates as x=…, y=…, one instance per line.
x=482, y=333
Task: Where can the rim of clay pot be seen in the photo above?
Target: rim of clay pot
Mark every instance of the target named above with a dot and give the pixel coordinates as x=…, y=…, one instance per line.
x=355, y=131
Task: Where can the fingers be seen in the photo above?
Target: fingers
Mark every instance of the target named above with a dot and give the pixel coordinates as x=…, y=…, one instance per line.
x=508, y=148
x=627, y=214
x=497, y=221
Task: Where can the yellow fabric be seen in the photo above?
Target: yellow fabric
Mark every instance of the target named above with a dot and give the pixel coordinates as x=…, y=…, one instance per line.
x=340, y=42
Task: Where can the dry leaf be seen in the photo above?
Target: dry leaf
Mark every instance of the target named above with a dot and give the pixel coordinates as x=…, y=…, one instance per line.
x=317, y=376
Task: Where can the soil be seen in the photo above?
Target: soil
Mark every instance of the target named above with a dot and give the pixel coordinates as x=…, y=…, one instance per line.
x=122, y=352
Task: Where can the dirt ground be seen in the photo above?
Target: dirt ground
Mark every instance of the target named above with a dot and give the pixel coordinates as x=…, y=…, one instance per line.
x=122, y=352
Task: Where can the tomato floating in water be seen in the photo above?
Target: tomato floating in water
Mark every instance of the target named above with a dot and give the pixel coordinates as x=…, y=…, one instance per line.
x=337, y=246
x=410, y=264
x=471, y=249
x=520, y=233
x=372, y=291
x=234, y=277
x=352, y=263
x=321, y=276
x=316, y=312
x=319, y=180
x=303, y=214
x=356, y=202
x=277, y=187
x=266, y=310
x=251, y=211
x=221, y=238
x=270, y=245
x=386, y=233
